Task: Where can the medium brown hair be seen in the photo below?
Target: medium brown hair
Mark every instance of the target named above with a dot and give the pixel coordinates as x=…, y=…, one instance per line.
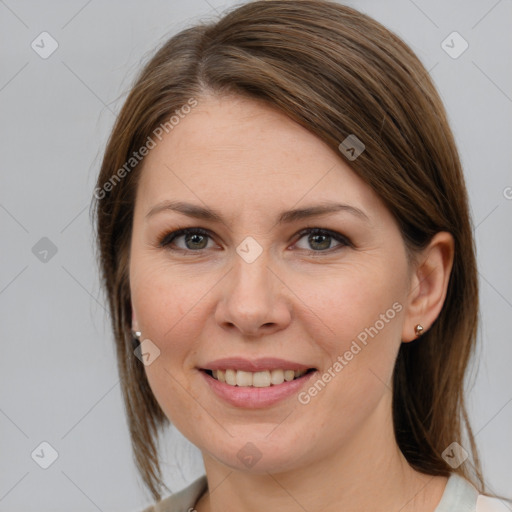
x=336, y=72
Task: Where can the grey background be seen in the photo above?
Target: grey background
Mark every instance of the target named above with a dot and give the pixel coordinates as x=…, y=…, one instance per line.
x=59, y=380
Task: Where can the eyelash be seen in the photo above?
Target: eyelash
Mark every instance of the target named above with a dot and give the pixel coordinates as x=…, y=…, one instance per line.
x=166, y=240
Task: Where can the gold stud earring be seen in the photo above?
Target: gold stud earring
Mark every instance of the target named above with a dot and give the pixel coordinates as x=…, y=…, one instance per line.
x=418, y=330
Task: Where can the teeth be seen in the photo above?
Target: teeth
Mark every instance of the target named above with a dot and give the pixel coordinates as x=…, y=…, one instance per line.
x=262, y=379
x=243, y=378
x=277, y=377
x=231, y=377
x=289, y=375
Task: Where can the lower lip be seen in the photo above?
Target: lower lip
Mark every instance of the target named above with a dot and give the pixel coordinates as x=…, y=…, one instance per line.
x=255, y=398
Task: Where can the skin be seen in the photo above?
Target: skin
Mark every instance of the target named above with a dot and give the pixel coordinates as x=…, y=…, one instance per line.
x=298, y=301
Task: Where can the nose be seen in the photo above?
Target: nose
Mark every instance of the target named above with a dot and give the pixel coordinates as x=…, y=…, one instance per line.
x=254, y=299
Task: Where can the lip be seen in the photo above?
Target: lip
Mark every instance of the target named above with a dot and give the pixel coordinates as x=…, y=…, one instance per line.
x=255, y=365
x=256, y=398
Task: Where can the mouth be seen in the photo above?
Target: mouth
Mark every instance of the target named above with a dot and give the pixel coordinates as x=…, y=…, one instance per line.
x=255, y=383
x=259, y=379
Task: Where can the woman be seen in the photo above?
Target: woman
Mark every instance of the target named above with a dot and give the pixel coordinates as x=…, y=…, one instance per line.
x=286, y=246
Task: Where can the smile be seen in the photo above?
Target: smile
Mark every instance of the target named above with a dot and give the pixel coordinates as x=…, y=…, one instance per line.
x=261, y=379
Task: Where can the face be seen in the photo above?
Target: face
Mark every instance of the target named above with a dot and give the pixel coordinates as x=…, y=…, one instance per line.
x=258, y=289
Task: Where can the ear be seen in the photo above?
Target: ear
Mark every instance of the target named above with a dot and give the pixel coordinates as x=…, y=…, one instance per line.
x=428, y=285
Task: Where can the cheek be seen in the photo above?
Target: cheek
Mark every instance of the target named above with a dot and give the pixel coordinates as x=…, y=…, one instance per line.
x=167, y=303
x=362, y=312
x=361, y=303
x=165, y=298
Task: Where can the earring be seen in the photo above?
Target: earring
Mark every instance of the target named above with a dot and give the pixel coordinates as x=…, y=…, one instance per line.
x=418, y=330
x=136, y=339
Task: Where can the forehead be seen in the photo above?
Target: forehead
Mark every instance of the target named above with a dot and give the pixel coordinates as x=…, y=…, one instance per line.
x=235, y=152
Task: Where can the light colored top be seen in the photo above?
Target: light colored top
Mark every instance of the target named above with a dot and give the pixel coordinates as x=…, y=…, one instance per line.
x=458, y=496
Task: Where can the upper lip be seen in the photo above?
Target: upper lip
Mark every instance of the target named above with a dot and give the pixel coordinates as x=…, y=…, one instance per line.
x=255, y=365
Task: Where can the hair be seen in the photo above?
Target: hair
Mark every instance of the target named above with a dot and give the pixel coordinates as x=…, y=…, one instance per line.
x=336, y=72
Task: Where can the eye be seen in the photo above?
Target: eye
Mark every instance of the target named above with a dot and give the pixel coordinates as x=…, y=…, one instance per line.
x=320, y=240
x=194, y=239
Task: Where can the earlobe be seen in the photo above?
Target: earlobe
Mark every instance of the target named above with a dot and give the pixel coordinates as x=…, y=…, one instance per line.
x=429, y=286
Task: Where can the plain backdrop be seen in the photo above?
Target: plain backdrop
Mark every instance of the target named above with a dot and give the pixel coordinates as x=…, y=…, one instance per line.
x=59, y=381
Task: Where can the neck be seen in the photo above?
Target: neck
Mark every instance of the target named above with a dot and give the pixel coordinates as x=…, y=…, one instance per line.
x=369, y=473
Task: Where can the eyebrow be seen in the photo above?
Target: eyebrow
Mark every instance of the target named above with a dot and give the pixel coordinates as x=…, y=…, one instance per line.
x=200, y=212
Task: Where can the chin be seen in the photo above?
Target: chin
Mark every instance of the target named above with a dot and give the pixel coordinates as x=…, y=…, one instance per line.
x=257, y=454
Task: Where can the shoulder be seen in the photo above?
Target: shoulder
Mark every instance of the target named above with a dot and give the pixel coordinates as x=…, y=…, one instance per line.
x=488, y=504
x=461, y=495
x=182, y=501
